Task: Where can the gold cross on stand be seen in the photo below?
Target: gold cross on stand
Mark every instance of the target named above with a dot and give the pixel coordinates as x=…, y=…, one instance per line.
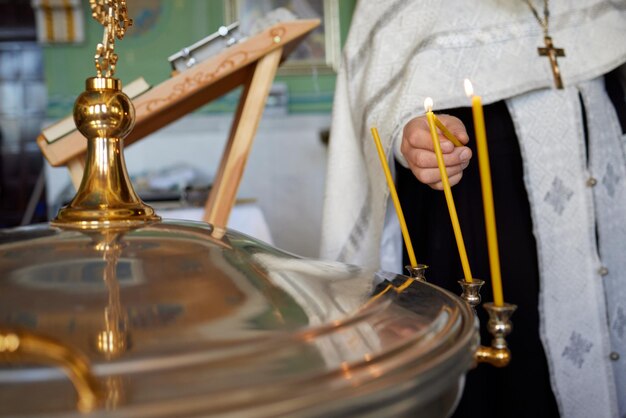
x=551, y=52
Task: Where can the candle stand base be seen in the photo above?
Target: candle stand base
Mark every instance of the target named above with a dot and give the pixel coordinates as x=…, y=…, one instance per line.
x=499, y=325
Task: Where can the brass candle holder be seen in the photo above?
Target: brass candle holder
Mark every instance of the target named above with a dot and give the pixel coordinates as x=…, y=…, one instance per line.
x=471, y=292
x=418, y=272
x=499, y=325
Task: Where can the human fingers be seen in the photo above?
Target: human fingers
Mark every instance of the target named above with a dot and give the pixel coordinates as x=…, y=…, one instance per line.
x=416, y=134
x=421, y=158
x=432, y=176
x=455, y=127
x=453, y=180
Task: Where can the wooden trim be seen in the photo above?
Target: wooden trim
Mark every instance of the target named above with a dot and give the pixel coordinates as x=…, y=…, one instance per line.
x=245, y=124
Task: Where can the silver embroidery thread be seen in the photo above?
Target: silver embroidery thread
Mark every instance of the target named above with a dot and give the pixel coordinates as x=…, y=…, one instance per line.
x=558, y=195
x=577, y=349
x=610, y=179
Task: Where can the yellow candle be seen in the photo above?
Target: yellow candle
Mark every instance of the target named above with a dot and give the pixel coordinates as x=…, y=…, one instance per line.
x=428, y=104
x=485, y=181
x=394, y=197
x=446, y=132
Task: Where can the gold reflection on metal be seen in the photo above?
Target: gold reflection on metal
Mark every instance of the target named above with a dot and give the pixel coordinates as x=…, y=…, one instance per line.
x=408, y=282
x=115, y=394
x=375, y=371
x=345, y=370
x=110, y=343
x=417, y=273
x=19, y=346
x=105, y=116
x=497, y=357
x=9, y=343
x=113, y=15
x=116, y=320
x=106, y=198
x=380, y=294
x=114, y=339
x=499, y=325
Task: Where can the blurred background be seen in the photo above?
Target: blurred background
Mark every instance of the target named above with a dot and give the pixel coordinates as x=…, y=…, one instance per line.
x=46, y=53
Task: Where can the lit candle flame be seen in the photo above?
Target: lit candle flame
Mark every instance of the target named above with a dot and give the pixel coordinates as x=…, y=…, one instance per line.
x=469, y=90
x=428, y=104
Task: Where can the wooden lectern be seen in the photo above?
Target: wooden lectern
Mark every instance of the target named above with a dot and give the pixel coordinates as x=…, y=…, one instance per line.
x=251, y=63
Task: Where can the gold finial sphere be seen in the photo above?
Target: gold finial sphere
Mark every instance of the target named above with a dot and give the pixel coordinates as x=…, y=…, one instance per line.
x=112, y=343
x=103, y=110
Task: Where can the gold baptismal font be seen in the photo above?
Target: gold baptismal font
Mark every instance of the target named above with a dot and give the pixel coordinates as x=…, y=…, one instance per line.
x=110, y=310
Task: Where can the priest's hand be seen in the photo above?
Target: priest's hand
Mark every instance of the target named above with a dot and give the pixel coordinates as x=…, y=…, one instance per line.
x=417, y=149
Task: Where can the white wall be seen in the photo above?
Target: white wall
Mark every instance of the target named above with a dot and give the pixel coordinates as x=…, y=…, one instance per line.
x=285, y=170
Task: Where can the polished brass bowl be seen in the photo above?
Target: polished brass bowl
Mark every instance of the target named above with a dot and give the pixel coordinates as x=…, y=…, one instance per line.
x=183, y=319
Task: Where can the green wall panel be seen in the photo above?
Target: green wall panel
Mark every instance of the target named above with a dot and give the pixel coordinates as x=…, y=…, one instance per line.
x=163, y=27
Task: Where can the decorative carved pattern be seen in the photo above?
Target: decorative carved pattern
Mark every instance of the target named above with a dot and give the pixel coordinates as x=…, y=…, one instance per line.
x=199, y=79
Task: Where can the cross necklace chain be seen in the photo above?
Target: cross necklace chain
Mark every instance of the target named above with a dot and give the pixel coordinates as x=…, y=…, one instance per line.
x=549, y=50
